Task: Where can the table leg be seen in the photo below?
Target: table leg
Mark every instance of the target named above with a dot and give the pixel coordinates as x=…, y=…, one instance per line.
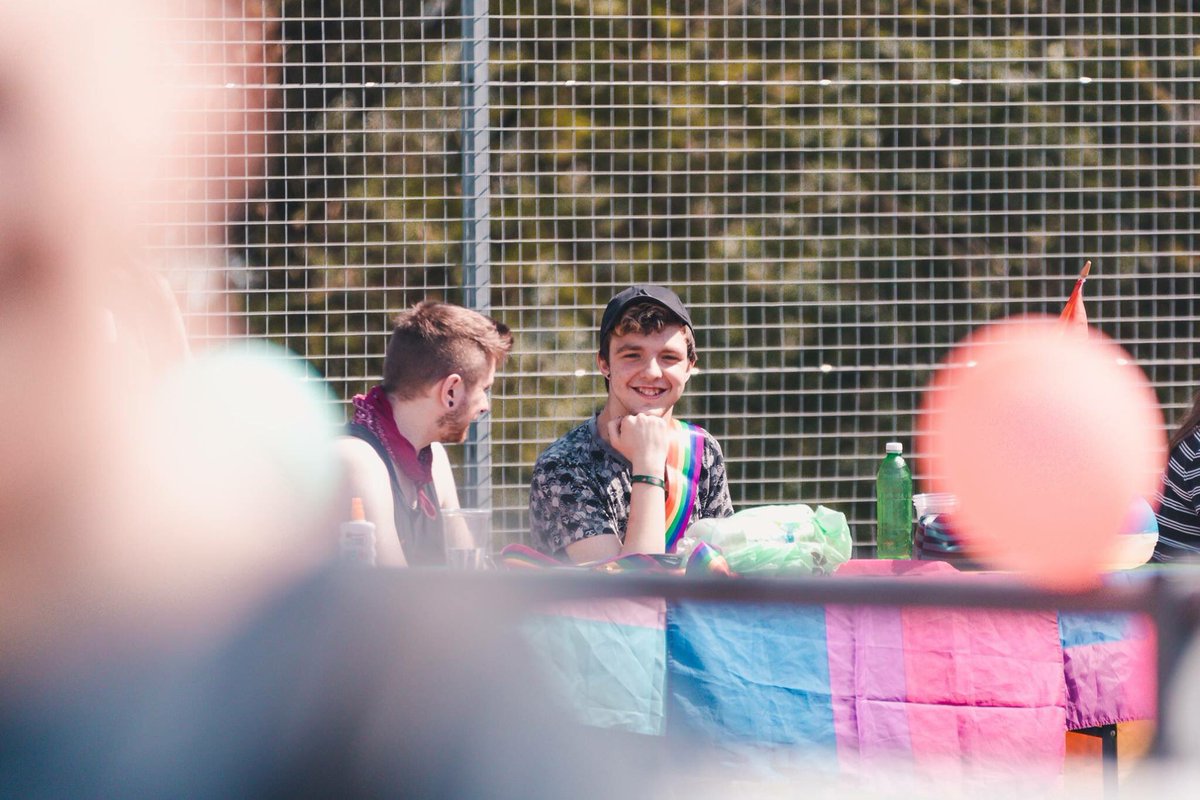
x=1107, y=734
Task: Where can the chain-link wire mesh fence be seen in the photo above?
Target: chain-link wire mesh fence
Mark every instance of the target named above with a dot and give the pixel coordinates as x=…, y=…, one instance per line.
x=839, y=190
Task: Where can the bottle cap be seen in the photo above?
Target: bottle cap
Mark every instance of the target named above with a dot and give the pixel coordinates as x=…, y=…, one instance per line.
x=356, y=510
x=893, y=447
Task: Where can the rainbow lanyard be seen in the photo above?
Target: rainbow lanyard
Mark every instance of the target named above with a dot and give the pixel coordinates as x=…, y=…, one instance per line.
x=683, y=479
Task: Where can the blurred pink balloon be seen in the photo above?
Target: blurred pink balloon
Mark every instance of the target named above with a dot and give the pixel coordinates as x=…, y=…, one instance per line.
x=1046, y=440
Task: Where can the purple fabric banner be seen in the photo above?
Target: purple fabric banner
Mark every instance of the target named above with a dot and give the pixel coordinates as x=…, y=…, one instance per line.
x=1109, y=668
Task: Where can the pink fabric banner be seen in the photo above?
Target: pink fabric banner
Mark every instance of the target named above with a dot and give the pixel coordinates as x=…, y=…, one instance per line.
x=941, y=687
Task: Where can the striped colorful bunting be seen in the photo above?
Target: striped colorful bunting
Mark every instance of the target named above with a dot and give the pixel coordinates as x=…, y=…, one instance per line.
x=704, y=559
x=520, y=556
x=707, y=559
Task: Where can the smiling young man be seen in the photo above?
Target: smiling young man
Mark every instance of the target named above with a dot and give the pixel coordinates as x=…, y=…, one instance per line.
x=437, y=375
x=632, y=478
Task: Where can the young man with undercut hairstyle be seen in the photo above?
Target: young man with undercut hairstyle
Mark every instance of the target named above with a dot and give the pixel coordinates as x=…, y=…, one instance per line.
x=437, y=374
x=632, y=478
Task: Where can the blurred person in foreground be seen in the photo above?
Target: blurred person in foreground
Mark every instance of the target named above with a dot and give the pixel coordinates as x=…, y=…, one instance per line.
x=98, y=516
x=631, y=478
x=171, y=625
x=1179, y=503
x=438, y=372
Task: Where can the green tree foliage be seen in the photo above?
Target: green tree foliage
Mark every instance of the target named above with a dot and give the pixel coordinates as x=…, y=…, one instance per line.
x=838, y=189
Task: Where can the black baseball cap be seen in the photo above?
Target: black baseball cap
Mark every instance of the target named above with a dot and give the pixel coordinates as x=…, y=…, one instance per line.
x=642, y=292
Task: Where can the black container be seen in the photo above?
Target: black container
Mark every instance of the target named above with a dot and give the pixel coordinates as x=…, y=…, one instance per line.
x=935, y=540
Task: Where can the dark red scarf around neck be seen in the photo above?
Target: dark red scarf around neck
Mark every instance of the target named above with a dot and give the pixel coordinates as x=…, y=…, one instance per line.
x=374, y=412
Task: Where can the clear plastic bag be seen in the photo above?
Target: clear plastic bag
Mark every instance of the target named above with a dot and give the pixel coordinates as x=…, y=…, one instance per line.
x=779, y=540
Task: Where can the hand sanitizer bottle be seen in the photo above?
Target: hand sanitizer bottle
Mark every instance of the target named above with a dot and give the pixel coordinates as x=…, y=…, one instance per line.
x=357, y=544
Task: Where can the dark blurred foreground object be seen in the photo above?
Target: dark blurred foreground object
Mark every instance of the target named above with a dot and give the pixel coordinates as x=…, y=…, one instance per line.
x=358, y=683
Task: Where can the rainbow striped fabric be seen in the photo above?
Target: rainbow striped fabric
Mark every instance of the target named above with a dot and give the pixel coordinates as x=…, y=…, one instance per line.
x=704, y=558
x=683, y=479
x=520, y=556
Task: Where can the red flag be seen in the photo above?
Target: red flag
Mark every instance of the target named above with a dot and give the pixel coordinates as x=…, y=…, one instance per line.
x=1073, y=312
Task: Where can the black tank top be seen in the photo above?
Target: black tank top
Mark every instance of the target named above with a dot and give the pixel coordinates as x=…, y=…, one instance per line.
x=421, y=537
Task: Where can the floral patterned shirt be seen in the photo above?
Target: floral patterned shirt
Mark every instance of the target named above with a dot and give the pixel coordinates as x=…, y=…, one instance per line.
x=581, y=488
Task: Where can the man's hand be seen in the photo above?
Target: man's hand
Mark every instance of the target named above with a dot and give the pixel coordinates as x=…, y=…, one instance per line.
x=644, y=440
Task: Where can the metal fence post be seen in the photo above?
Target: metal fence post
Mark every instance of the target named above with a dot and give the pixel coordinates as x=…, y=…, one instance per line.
x=476, y=199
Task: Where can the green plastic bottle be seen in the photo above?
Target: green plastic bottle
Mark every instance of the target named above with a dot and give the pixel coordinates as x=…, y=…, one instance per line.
x=893, y=505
